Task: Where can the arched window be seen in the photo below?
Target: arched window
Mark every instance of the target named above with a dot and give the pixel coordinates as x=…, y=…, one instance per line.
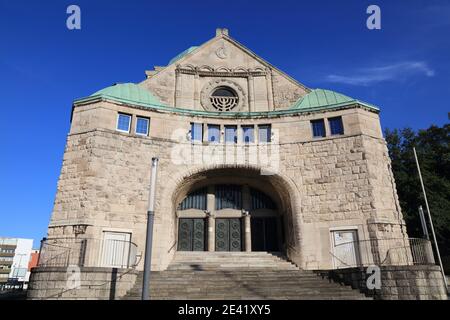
x=194, y=200
x=224, y=99
x=228, y=197
x=261, y=200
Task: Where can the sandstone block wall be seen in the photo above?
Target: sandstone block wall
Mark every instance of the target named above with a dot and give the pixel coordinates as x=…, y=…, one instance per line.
x=397, y=282
x=58, y=283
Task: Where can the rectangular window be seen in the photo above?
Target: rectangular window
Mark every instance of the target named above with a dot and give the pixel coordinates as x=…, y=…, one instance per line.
x=123, y=122
x=231, y=134
x=318, y=128
x=213, y=133
x=116, y=249
x=142, y=125
x=336, y=126
x=248, y=134
x=345, y=248
x=265, y=133
x=196, y=132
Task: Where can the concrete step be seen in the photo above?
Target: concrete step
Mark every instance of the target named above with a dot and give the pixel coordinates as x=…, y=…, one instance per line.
x=229, y=260
x=238, y=275
x=250, y=296
x=271, y=293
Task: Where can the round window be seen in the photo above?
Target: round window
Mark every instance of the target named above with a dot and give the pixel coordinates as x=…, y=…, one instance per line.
x=224, y=99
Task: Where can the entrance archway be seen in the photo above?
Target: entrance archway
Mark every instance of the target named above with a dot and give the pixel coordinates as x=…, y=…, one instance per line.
x=233, y=209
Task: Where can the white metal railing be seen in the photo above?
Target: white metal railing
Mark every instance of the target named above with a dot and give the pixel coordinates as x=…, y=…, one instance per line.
x=88, y=252
x=392, y=252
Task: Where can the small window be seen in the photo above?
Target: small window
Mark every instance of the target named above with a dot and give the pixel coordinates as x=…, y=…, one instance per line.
x=265, y=133
x=142, y=125
x=213, y=133
x=116, y=250
x=196, y=132
x=336, y=126
x=318, y=128
x=123, y=122
x=231, y=134
x=248, y=134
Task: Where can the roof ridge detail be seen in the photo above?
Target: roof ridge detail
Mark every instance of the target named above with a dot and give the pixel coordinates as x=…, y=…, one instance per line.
x=318, y=98
x=182, y=54
x=129, y=91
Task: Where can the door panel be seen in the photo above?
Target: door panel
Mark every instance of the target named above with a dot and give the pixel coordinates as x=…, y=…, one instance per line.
x=271, y=234
x=228, y=235
x=235, y=235
x=257, y=225
x=199, y=235
x=264, y=234
x=191, y=234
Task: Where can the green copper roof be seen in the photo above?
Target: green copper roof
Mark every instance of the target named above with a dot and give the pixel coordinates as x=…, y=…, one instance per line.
x=133, y=94
x=129, y=92
x=181, y=55
x=321, y=98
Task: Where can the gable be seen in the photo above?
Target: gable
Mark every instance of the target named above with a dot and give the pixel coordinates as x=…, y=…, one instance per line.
x=190, y=76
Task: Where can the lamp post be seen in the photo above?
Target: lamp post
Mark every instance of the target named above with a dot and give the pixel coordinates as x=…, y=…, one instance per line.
x=149, y=239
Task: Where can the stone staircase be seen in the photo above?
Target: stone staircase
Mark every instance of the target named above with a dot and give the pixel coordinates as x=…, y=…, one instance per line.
x=238, y=275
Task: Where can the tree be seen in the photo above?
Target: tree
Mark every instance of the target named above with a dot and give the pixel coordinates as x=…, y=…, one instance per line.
x=433, y=150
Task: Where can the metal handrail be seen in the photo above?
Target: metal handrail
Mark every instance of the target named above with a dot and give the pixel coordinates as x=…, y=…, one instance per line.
x=88, y=252
x=393, y=251
x=340, y=260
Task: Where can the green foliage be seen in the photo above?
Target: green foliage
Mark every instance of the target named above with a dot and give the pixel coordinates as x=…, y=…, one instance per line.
x=433, y=150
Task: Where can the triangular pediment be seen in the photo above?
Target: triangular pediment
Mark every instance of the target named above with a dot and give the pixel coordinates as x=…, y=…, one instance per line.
x=224, y=57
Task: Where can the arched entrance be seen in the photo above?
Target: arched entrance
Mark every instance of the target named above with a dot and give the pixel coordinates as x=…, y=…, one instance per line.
x=231, y=210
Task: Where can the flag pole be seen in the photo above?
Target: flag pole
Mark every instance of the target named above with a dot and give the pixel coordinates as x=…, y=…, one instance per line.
x=431, y=221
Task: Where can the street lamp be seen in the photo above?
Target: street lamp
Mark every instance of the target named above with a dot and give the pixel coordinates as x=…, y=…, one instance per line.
x=149, y=240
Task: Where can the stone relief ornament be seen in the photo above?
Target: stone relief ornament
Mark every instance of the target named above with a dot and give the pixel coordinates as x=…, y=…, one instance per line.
x=221, y=52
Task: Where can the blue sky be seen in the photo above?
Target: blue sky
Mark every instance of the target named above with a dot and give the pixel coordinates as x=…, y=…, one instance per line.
x=404, y=68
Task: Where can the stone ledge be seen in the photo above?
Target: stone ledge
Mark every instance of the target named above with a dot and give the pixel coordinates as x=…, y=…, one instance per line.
x=95, y=283
x=83, y=269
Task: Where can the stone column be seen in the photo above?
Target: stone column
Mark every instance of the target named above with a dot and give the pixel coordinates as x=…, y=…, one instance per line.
x=251, y=93
x=248, y=233
x=210, y=207
x=196, y=93
x=205, y=132
x=177, y=97
x=211, y=232
x=269, y=89
x=133, y=124
x=246, y=205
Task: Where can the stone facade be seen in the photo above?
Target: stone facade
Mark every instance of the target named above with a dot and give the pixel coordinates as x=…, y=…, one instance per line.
x=319, y=184
x=324, y=183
